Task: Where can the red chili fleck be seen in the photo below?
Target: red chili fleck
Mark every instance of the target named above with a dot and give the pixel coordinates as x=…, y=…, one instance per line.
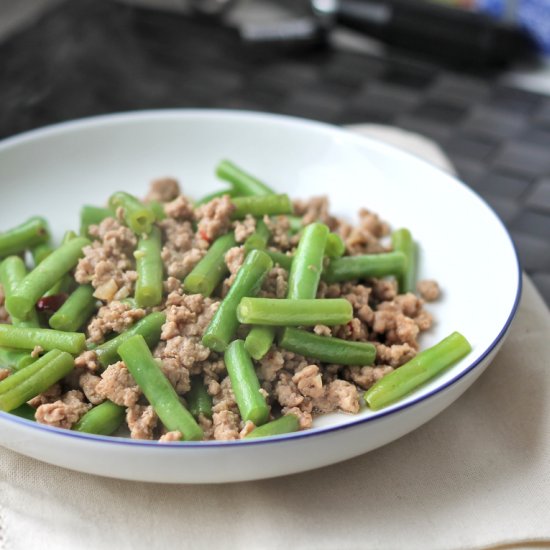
x=350, y=325
x=51, y=303
x=203, y=235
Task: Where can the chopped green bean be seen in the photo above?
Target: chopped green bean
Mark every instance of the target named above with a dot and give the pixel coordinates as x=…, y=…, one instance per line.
x=12, y=272
x=245, y=384
x=211, y=270
x=243, y=183
x=295, y=223
x=198, y=399
x=327, y=349
x=149, y=327
x=150, y=270
x=25, y=236
x=216, y=195
x=285, y=424
x=335, y=247
x=40, y=252
x=307, y=263
x=76, y=310
x=47, y=339
x=66, y=283
x=249, y=279
x=158, y=210
x=15, y=359
x=93, y=215
x=364, y=266
x=24, y=411
x=36, y=378
x=267, y=205
x=157, y=388
x=426, y=365
x=306, y=312
x=259, y=239
x=136, y=215
x=284, y=260
x=259, y=340
x=44, y=276
x=402, y=241
x=103, y=419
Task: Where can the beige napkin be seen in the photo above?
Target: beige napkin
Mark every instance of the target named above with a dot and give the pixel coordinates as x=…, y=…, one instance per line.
x=478, y=475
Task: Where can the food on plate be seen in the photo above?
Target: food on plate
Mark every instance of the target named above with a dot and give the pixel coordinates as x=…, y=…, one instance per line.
x=242, y=315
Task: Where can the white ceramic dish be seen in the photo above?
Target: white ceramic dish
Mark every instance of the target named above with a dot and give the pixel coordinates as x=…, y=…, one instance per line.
x=53, y=171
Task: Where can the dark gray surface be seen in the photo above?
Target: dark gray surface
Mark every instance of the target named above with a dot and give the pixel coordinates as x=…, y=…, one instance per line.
x=89, y=57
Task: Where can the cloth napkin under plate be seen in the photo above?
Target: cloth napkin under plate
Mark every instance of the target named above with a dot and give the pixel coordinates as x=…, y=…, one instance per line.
x=476, y=476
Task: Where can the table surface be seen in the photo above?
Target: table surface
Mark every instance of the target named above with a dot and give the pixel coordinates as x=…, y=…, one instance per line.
x=91, y=57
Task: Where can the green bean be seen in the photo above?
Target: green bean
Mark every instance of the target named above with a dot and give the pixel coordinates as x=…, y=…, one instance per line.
x=25, y=236
x=402, y=241
x=198, y=398
x=15, y=359
x=284, y=260
x=365, y=266
x=295, y=223
x=426, y=365
x=245, y=384
x=136, y=215
x=93, y=215
x=34, y=379
x=103, y=419
x=216, y=195
x=259, y=239
x=40, y=252
x=131, y=302
x=157, y=388
x=335, y=247
x=149, y=327
x=307, y=263
x=306, y=312
x=65, y=284
x=47, y=339
x=44, y=276
x=76, y=310
x=268, y=205
x=211, y=270
x=259, y=340
x=150, y=270
x=158, y=210
x=327, y=349
x=285, y=424
x=12, y=272
x=24, y=411
x=243, y=183
x=249, y=279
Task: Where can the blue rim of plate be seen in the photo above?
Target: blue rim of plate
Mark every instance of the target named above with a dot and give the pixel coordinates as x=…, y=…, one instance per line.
x=135, y=115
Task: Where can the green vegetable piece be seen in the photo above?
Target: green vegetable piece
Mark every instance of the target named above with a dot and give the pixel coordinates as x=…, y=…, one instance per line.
x=66, y=283
x=158, y=210
x=259, y=239
x=425, y=366
x=150, y=270
x=149, y=327
x=23, y=237
x=282, y=313
x=47, y=339
x=249, y=279
x=259, y=340
x=285, y=424
x=211, y=270
x=216, y=195
x=284, y=260
x=136, y=215
x=93, y=215
x=307, y=264
x=268, y=205
x=103, y=419
x=76, y=311
x=24, y=411
x=15, y=359
x=364, y=266
x=40, y=252
x=245, y=384
x=34, y=379
x=243, y=183
x=335, y=247
x=295, y=223
x=198, y=399
x=44, y=276
x=402, y=241
x=327, y=349
x=157, y=388
x=12, y=272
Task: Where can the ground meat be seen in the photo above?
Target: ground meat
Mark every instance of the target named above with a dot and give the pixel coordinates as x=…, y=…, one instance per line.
x=225, y=413
x=428, y=289
x=214, y=217
x=383, y=290
x=279, y=227
x=65, y=412
x=246, y=429
x=275, y=284
x=234, y=259
x=4, y=315
x=108, y=263
x=322, y=330
x=172, y=285
x=36, y=351
x=168, y=437
x=365, y=377
x=305, y=418
x=87, y=360
x=339, y=395
x=88, y=382
x=163, y=190
x=207, y=426
x=395, y=355
x=270, y=364
x=308, y=382
x=142, y=421
x=113, y=317
x=118, y=385
x=180, y=208
x=315, y=209
x=286, y=391
x=177, y=374
x=244, y=228
x=365, y=237
x=355, y=330
x=49, y=396
x=4, y=373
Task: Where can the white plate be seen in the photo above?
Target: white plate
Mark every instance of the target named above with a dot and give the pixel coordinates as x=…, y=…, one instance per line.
x=53, y=171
